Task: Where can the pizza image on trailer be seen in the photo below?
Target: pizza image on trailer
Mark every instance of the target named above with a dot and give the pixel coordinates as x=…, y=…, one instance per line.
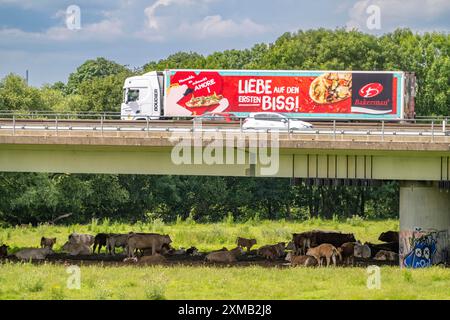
x=331, y=87
x=204, y=101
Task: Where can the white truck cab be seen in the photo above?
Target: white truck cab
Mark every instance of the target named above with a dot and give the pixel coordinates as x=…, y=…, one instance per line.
x=142, y=97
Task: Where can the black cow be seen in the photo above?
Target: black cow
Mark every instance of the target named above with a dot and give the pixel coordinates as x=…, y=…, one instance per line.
x=3, y=250
x=388, y=246
x=100, y=241
x=311, y=239
x=389, y=236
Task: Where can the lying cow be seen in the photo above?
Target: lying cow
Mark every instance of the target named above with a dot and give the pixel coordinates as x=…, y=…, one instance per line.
x=267, y=252
x=165, y=249
x=75, y=249
x=325, y=250
x=100, y=241
x=225, y=256
x=389, y=236
x=175, y=252
x=143, y=241
x=362, y=251
x=48, y=242
x=193, y=251
x=3, y=250
x=155, y=259
x=85, y=239
x=386, y=255
x=33, y=253
x=245, y=243
x=304, y=260
x=272, y=252
x=220, y=250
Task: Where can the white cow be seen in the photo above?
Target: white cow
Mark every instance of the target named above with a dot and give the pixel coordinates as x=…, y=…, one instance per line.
x=84, y=239
x=75, y=249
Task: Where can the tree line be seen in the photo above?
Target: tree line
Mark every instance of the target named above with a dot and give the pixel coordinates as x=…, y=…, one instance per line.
x=96, y=86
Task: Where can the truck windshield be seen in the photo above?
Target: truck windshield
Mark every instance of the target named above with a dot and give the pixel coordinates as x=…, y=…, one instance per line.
x=132, y=95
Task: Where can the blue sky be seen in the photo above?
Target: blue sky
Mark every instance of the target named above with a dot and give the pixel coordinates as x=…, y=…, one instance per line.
x=34, y=35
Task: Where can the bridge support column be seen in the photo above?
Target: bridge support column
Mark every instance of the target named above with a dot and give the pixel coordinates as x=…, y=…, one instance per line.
x=424, y=224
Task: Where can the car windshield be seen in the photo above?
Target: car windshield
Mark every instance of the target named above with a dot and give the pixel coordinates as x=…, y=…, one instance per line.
x=132, y=95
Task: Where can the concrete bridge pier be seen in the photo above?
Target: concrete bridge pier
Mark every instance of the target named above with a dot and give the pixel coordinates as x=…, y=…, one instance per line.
x=424, y=224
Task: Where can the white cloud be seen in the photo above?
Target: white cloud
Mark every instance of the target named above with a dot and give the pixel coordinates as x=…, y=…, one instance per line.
x=154, y=21
x=105, y=30
x=217, y=27
x=150, y=12
x=395, y=13
x=187, y=19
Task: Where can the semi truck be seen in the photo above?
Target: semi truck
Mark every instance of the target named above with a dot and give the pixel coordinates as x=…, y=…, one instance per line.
x=339, y=95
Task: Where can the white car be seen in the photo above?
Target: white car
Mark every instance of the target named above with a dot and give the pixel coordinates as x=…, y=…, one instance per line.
x=272, y=120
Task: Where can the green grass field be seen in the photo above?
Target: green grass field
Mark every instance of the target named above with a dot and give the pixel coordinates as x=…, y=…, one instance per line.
x=26, y=281
x=48, y=281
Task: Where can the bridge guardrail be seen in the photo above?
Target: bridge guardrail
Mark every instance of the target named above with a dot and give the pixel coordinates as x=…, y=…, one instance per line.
x=106, y=122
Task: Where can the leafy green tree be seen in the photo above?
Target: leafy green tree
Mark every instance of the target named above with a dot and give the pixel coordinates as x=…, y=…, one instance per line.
x=179, y=60
x=15, y=94
x=102, y=94
x=92, y=69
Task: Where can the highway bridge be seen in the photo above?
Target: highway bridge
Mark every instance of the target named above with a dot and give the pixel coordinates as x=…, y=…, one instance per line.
x=416, y=154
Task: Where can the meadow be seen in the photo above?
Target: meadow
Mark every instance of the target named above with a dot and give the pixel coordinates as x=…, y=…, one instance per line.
x=49, y=281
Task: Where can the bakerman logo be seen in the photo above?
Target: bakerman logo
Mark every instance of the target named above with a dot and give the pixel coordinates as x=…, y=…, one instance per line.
x=371, y=90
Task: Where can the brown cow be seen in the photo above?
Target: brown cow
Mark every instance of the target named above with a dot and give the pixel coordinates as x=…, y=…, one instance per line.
x=301, y=241
x=225, y=256
x=347, y=252
x=48, y=242
x=144, y=241
x=305, y=261
x=166, y=249
x=272, y=252
x=154, y=259
x=325, y=250
x=386, y=255
x=220, y=250
x=267, y=252
x=245, y=243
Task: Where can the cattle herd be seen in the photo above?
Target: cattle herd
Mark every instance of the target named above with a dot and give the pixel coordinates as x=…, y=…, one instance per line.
x=311, y=248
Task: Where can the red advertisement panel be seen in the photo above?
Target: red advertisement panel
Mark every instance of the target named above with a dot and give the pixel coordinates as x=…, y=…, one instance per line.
x=313, y=93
